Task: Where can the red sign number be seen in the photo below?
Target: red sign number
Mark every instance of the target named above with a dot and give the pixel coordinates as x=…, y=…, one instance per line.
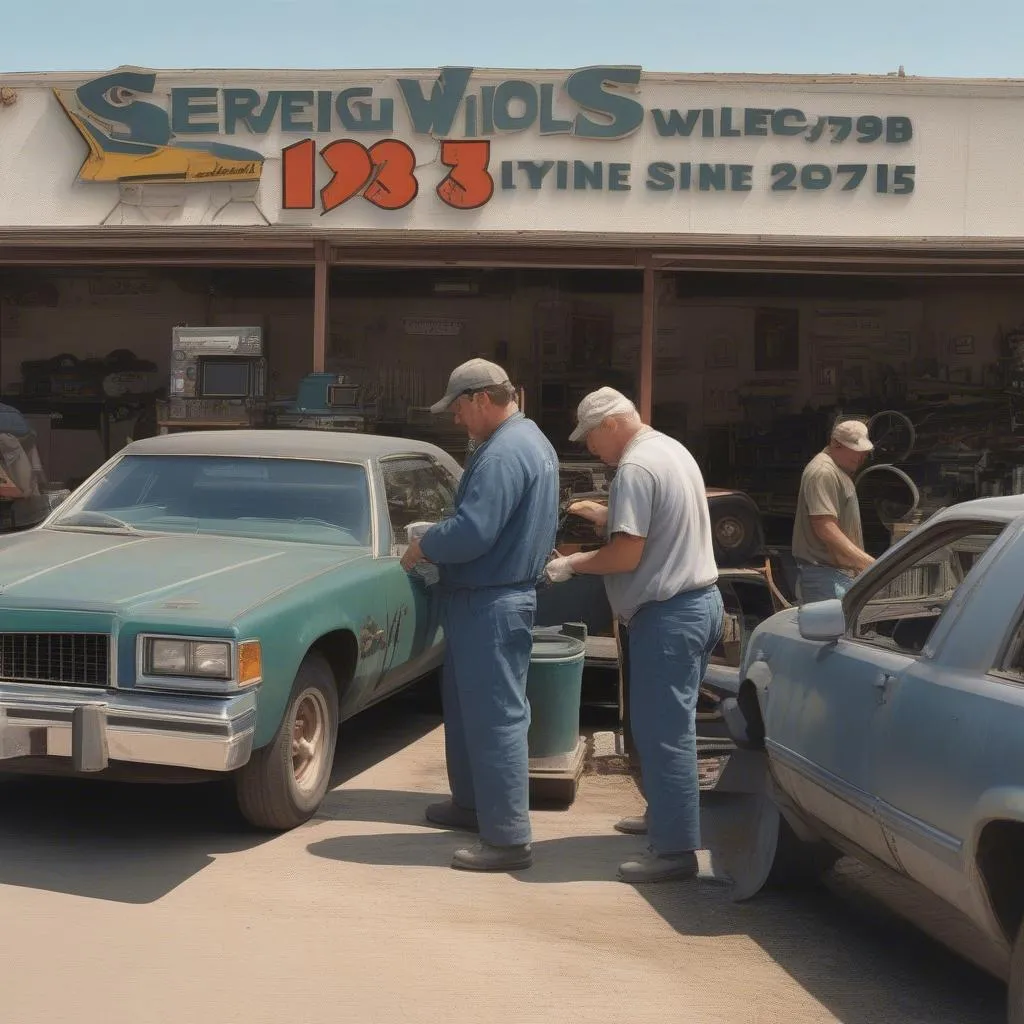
x=351, y=168
x=384, y=174
x=469, y=184
x=394, y=186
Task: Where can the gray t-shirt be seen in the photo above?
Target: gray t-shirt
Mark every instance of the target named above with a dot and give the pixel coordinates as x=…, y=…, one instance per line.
x=825, y=490
x=658, y=493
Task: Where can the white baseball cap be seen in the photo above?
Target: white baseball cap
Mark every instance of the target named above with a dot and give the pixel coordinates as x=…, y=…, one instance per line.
x=596, y=408
x=474, y=375
x=853, y=434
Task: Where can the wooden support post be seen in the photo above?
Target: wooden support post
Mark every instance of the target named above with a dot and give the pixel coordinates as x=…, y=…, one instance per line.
x=647, y=329
x=321, y=302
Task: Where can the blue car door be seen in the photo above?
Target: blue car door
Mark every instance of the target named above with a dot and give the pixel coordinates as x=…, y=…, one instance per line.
x=823, y=712
x=830, y=728
x=951, y=722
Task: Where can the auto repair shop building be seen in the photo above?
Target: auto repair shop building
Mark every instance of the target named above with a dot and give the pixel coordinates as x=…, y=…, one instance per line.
x=745, y=255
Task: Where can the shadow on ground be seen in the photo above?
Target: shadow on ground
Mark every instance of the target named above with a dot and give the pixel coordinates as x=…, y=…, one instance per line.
x=136, y=842
x=846, y=949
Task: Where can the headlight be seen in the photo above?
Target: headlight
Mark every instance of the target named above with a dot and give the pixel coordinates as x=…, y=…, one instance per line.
x=202, y=659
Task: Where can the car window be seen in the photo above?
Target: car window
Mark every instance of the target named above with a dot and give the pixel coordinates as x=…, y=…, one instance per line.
x=280, y=499
x=903, y=609
x=417, y=489
x=1011, y=664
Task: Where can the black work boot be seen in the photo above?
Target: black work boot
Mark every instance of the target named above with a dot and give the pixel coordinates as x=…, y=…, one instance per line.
x=655, y=867
x=450, y=815
x=485, y=857
x=634, y=826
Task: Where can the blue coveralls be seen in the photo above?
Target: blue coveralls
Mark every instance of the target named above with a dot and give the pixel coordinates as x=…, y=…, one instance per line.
x=490, y=555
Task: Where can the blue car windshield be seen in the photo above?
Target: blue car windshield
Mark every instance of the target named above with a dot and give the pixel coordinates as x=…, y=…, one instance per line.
x=271, y=499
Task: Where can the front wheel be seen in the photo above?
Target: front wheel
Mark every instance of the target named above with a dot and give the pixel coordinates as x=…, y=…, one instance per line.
x=284, y=782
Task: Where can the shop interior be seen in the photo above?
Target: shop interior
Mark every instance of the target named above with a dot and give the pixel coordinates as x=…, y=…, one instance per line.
x=749, y=369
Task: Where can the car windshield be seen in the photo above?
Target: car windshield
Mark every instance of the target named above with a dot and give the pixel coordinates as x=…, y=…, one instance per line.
x=271, y=499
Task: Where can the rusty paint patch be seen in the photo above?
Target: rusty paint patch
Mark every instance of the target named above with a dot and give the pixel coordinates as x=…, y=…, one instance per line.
x=371, y=638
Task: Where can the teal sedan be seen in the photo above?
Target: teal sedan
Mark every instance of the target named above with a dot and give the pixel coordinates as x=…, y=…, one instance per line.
x=219, y=602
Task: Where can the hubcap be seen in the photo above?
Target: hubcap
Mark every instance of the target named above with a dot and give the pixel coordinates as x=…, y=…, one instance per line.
x=309, y=739
x=729, y=532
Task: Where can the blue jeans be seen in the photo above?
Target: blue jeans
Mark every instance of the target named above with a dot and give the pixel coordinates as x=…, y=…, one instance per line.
x=821, y=583
x=489, y=638
x=670, y=644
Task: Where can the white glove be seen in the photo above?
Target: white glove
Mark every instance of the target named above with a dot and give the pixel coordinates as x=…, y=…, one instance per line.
x=558, y=570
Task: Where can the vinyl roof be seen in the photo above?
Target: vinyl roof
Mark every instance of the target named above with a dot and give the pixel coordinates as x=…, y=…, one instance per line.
x=281, y=444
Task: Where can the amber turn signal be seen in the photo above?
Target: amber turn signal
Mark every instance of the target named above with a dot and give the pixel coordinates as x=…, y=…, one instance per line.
x=250, y=663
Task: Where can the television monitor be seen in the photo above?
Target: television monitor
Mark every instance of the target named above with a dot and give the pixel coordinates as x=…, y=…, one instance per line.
x=343, y=394
x=224, y=378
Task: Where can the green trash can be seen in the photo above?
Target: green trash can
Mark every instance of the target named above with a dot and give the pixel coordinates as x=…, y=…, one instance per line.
x=554, y=686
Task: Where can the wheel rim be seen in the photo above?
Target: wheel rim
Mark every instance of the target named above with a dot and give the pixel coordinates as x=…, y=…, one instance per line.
x=730, y=532
x=309, y=740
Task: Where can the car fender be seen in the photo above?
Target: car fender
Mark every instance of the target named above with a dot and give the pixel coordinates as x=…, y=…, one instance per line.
x=759, y=674
x=1003, y=803
x=744, y=713
x=289, y=628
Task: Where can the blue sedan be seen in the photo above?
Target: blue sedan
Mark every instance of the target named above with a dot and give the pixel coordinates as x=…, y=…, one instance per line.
x=890, y=727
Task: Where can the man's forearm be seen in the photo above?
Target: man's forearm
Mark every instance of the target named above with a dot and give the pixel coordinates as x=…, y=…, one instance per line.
x=845, y=553
x=621, y=555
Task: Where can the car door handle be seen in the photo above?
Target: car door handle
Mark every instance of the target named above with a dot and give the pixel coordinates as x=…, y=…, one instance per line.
x=882, y=681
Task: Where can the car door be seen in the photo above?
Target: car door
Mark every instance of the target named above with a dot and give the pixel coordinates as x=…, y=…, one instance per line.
x=950, y=725
x=822, y=708
x=829, y=733
x=416, y=488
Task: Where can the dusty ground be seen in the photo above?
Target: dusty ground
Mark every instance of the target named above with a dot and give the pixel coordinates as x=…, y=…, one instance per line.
x=143, y=905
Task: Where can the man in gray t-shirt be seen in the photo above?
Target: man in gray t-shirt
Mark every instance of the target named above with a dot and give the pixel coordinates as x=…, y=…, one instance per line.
x=828, y=542
x=660, y=575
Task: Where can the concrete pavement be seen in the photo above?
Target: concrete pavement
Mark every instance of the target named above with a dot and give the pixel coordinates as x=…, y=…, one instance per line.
x=148, y=904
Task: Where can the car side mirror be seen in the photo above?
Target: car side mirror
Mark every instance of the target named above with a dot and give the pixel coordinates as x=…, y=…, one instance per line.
x=823, y=621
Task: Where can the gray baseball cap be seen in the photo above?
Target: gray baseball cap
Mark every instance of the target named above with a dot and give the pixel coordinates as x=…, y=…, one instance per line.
x=474, y=375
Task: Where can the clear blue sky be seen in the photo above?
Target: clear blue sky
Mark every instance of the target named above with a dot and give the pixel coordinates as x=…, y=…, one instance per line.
x=930, y=37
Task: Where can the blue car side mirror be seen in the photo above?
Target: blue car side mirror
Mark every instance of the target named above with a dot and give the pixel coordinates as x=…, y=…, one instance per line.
x=823, y=621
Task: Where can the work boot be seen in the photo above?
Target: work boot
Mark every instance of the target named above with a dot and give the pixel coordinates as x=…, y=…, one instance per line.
x=449, y=814
x=485, y=857
x=635, y=826
x=655, y=867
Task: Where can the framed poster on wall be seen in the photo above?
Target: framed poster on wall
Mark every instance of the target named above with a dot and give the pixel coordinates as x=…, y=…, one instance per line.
x=826, y=378
x=777, y=340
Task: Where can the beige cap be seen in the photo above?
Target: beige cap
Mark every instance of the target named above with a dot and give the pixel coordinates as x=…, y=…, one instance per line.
x=852, y=434
x=596, y=408
x=474, y=375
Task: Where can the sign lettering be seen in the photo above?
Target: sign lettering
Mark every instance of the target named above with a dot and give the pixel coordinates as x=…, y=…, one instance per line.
x=133, y=135
x=384, y=174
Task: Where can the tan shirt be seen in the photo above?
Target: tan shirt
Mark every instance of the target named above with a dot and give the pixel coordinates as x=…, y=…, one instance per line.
x=825, y=490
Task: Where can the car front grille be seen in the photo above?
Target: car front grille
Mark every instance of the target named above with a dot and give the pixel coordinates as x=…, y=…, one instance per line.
x=64, y=659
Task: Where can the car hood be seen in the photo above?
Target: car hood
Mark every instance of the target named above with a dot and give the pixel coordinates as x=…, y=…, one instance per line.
x=215, y=577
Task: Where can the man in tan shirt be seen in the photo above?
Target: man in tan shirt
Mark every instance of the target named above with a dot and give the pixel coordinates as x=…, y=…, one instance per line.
x=828, y=542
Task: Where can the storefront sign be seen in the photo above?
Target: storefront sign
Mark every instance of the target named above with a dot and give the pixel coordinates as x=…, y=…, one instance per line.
x=134, y=137
x=432, y=326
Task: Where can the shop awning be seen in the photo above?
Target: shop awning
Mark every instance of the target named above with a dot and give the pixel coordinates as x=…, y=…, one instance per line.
x=275, y=246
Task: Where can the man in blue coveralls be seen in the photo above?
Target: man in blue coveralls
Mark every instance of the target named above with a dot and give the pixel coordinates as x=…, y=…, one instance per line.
x=490, y=555
x=660, y=574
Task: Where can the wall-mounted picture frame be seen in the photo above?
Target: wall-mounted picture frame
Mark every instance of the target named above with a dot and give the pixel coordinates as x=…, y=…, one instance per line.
x=777, y=340
x=720, y=353
x=827, y=376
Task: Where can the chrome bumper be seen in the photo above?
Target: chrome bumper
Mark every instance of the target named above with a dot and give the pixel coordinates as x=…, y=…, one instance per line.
x=94, y=727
